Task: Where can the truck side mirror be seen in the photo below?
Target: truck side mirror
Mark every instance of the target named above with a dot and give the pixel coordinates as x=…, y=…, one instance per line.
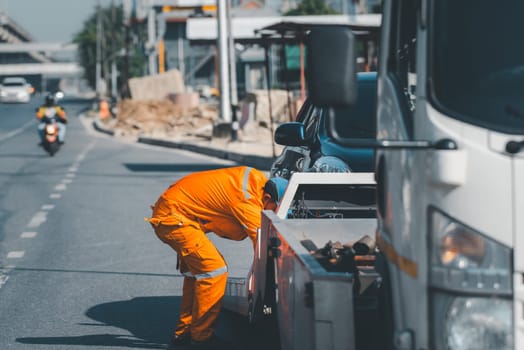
x=331, y=66
x=290, y=134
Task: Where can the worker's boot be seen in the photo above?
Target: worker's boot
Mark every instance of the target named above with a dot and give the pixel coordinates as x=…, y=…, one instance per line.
x=181, y=340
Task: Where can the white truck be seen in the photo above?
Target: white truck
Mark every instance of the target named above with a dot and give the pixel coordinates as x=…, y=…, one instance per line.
x=449, y=167
x=450, y=189
x=313, y=268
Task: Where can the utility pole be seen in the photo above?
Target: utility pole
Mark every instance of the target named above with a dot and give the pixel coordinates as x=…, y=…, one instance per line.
x=151, y=38
x=223, y=62
x=98, y=73
x=232, y=57
x=233, y=73
x=114, y=91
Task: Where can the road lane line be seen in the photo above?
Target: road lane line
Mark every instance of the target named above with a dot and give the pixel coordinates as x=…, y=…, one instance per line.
x=60, y=187
x=70, y=175
x=31, y=234
x=17, y=131
x=16, y=254
x=55, y=196
x=4, y=275
x=67, y=181
x=48, y=207
x=80, y=157
x=38, y=219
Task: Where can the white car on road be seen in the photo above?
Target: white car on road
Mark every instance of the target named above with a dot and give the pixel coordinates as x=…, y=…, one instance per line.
x=15, y=89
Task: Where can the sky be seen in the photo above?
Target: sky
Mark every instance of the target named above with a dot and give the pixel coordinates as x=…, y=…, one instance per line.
x=51, y=20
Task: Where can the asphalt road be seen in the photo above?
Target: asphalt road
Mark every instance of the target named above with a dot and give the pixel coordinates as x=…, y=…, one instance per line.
x=79, y=267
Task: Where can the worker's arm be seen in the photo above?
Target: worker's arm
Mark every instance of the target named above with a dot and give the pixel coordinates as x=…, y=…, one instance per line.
x=249, y=215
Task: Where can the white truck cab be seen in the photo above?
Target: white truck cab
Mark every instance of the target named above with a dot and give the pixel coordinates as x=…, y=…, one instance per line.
x=449, y=166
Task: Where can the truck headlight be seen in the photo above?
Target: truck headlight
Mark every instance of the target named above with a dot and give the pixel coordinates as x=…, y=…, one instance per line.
x=329, y=164
x=472, y=323
x=462, y=259
x=480, y=323
x=470, y=288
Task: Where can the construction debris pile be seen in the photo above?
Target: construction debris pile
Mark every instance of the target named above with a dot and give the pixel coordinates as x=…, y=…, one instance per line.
x=163, y=118
x=258, y=100
x=160, y=108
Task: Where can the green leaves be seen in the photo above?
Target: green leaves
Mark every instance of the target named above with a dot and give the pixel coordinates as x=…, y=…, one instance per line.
x=115, y=46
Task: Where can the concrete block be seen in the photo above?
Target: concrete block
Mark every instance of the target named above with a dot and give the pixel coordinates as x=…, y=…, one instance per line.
x=157, y=87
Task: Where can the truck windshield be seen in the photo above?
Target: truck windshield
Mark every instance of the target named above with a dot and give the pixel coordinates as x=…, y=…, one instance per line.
x=477, y=62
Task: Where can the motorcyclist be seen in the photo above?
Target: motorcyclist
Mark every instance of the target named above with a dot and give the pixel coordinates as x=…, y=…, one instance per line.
x=50, y=109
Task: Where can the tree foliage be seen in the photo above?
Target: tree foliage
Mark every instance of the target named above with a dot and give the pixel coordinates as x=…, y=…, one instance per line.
x=114, y=44
x=311, y=7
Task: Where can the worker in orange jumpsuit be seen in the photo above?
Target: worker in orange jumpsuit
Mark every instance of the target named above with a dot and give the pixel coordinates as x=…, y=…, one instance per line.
x=227, y=202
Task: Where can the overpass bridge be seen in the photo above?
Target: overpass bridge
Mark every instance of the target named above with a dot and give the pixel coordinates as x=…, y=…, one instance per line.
x=42, y=64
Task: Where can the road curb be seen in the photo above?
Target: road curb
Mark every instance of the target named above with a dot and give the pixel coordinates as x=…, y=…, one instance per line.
x=259, y=162
x=101, y=129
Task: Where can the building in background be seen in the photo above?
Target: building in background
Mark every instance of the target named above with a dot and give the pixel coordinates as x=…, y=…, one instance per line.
x=175, y=40
x=46, y=66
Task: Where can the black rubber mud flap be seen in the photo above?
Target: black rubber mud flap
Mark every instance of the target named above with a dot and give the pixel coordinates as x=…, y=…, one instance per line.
x=385, y=305
x=265, y=326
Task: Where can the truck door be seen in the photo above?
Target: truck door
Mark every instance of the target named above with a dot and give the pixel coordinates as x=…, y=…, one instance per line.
x=518, y=179
x=400, y=172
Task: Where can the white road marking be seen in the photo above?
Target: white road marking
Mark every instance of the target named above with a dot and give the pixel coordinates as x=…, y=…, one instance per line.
x=3, y=279
x=60, y=187
x=28, y=235
x=17, y=131
x=16, y=254
x=80, y=158
x=38, y=219
x=90, y=147
x=4, y=275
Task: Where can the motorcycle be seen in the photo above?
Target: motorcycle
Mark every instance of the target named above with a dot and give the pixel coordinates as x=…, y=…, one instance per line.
x=50, y=140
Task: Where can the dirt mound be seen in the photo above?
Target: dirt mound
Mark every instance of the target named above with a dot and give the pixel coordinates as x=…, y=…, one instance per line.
x=162, y=119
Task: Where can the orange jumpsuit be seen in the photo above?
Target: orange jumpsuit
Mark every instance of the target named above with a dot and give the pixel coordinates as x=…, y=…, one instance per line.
x=227, y=202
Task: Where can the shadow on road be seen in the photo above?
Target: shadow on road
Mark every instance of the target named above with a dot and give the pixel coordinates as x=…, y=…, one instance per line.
x=150, y=322
x=25, y=155
x=154, y=167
